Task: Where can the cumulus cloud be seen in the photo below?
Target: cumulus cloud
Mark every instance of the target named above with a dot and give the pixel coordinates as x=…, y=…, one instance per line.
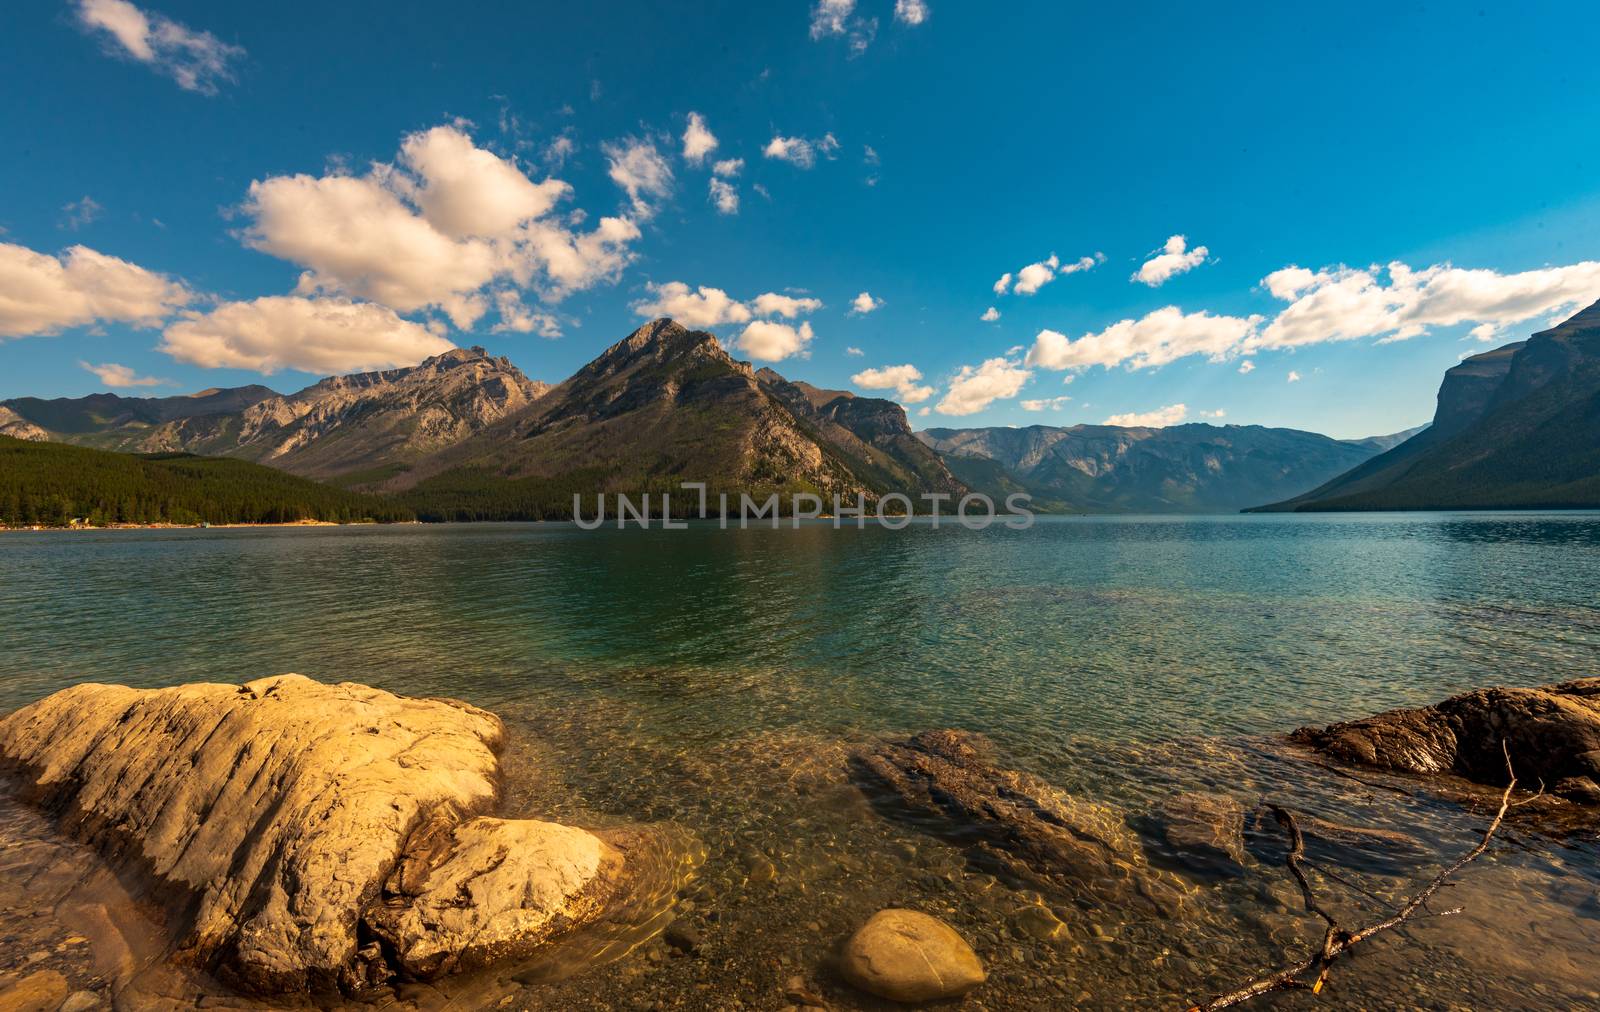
x=698, y=140
x=990, y=315
x=433, y=230
x=1157, y=338
x=1246, y=367
x=326, y=335
x=863, y=304
x=44, y=294
x=770, y=341
x=902, y=379
x=910, y=12
x=1175, y=258
x=637, y=167
x=701, y=307
x=1036, y=275
x=1397, y=302
x=114, y=375
x=1219, y=413
x=854, y=352
x=724, y=196
x=1046, y=404
x=1294, y=377
x=788, y=307
x=974, y=388
x=517, y=318
x=728, y=167
x=198, y=61
x=558, y=151
x=1172, y=414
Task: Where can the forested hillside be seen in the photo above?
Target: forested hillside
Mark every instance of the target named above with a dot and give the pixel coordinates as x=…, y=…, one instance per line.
x=52, y=484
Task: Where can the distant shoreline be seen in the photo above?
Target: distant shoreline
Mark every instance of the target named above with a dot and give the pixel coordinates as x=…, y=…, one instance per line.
x=201, y=527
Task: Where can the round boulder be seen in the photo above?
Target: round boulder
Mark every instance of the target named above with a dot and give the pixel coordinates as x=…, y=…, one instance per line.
x=906, y=956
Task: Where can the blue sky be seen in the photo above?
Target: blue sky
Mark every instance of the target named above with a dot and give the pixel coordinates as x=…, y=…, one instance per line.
x=236, y=225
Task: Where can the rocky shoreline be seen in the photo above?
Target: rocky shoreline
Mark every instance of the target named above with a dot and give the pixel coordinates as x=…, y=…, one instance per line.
x=304, y=839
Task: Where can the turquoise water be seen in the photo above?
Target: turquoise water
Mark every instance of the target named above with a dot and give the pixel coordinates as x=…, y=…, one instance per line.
x=659, y=673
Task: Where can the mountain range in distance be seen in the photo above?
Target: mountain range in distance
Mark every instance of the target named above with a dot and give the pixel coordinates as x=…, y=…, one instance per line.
x=467, y=436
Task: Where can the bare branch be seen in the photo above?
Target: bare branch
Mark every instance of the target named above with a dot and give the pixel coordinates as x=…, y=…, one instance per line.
x=1336, y=941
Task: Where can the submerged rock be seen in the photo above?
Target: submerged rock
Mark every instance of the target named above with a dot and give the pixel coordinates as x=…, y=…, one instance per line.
x=1204, y=827
x=908, y=956
x=1552, y=734
x=947, y=783
x=285, y=822
x=42, y=991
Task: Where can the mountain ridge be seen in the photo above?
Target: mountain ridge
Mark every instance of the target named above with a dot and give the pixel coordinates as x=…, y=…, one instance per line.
x=1515, y=427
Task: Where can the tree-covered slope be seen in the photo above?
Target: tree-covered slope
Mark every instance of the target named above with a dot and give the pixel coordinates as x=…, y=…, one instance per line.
x=53, y=484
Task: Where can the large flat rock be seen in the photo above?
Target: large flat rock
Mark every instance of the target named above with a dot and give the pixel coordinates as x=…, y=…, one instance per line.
x=284, y=819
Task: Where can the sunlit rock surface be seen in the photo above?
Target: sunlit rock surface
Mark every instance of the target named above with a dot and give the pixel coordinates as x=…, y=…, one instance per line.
x=284, y=822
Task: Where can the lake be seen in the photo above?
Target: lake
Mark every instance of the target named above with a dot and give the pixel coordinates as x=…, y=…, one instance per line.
x=712, y=679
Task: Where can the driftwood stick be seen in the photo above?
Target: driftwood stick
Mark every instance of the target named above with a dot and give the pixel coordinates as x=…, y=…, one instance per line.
x=1336, y=941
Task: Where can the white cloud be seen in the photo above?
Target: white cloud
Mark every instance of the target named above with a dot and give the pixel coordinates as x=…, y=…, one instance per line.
x=1344, y=304
x=831, y=17
x=773, y=304
x=794, y=150
x=1047, y=404
x=1294, y=377
x=329, y=335
x=1036, y=275
x=637, y=167
x=1175, y=258
x=698, y=140
x=114, y=375
x=198, y=61
x=80, y=212
x=723, y=195
x=910, y=12
x=990, y=315
x=769, y=341
x=517, y=318
x=1219, y=413
x=1247, y=367
x=1155, y=339
x=433, y=230
x=558, y=151
x=975, y=388
x=43, y=294
x=854, y=352
x=902, y=379
x=837, y=17
x=728, y=167
x=1172, y=414
x=863, y=304
x=703, y=307
x=466, y=191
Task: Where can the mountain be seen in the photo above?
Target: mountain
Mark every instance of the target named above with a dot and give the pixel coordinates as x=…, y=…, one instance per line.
x=113, y=422
x=667, y=405
x=1518, y=426
x=1196, y=468
x=355, y=430
x=1379, y=444
x=53, y=484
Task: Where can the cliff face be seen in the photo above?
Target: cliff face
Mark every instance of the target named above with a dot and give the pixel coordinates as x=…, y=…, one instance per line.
x=1518, y=426
x=1180, y=468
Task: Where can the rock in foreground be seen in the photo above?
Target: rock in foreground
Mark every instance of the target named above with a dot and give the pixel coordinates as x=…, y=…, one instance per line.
x=907, y=956
x=947, y=782
x=1205, y=828
x=1552, y=734
x=285, y=822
